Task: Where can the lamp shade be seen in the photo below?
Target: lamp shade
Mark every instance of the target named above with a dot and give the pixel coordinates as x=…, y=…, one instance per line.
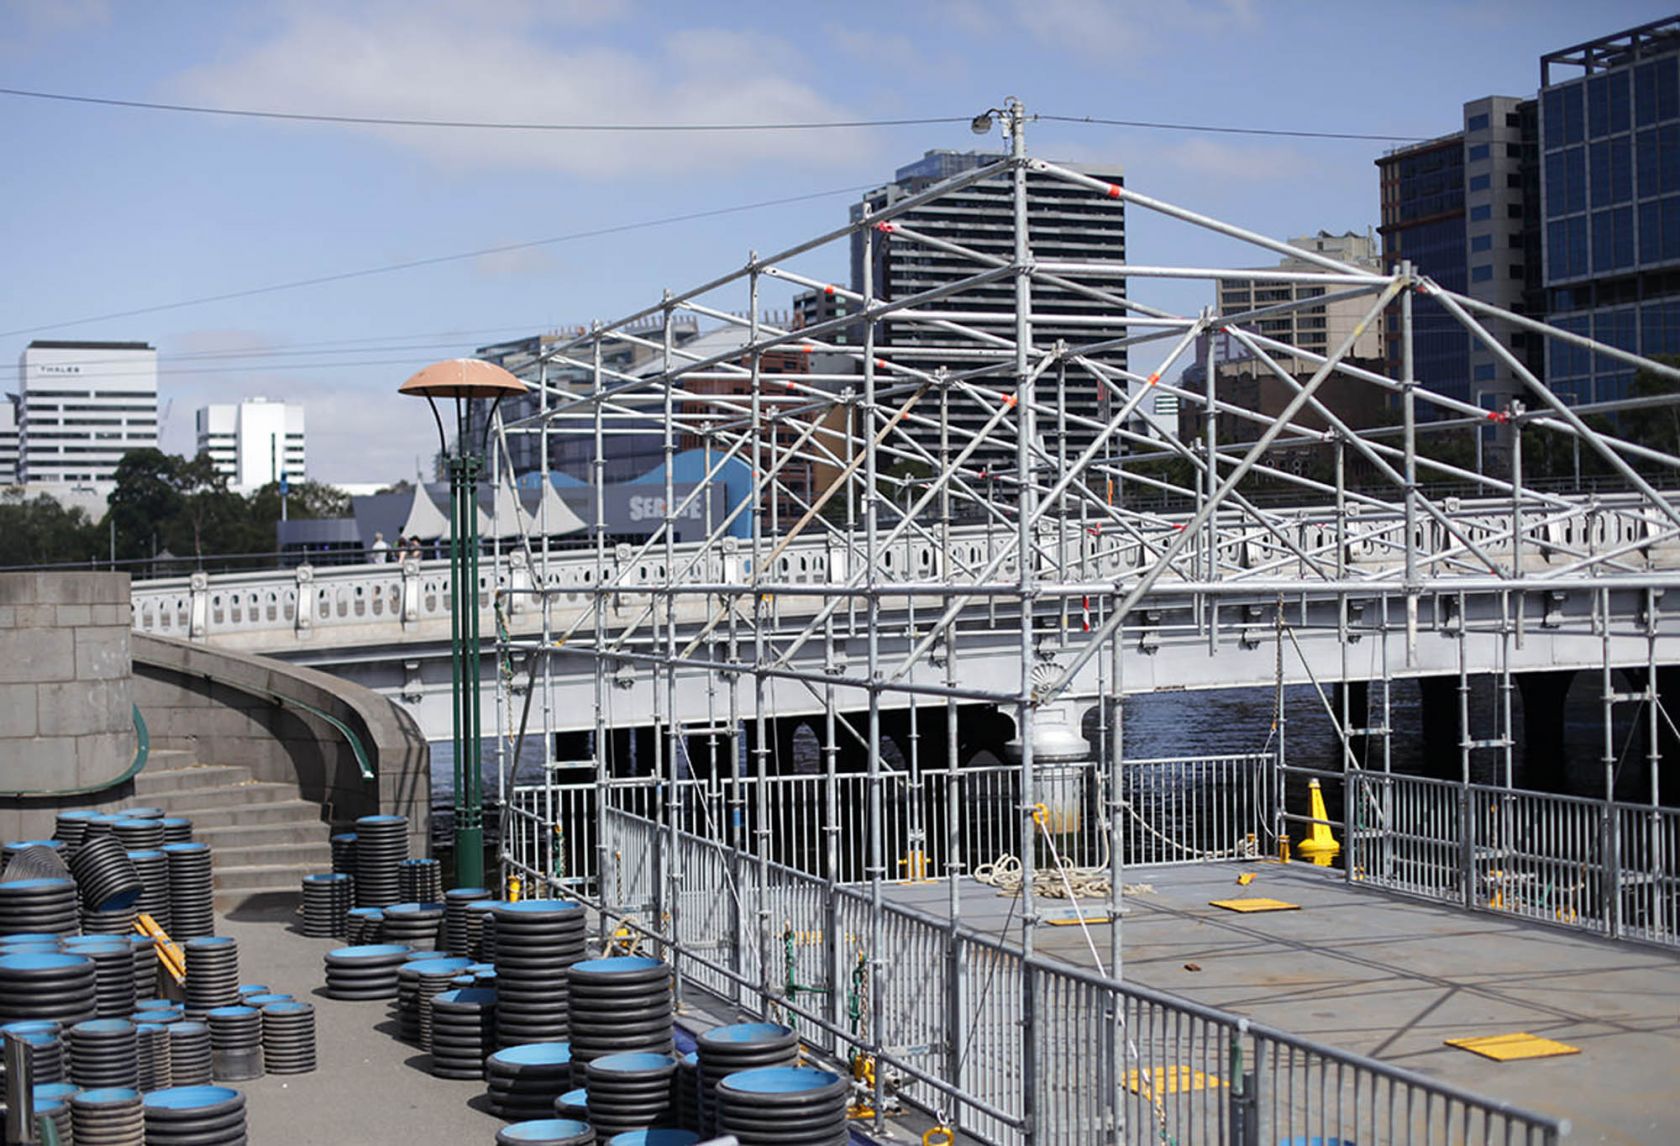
x=463, y=378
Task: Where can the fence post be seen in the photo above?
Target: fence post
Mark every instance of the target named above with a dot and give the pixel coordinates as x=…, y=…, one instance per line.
x=956, y=1029
x=1612, y=869
x=198, y=606
x=1245, y=1093
x=1467, y=848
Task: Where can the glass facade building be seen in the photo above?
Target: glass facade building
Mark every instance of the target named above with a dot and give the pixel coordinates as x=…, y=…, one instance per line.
x=1610, y=178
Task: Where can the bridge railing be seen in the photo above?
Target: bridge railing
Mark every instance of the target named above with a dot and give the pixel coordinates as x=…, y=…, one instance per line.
x=1011, y=1049
x=1608, y=867
x=1172, y=811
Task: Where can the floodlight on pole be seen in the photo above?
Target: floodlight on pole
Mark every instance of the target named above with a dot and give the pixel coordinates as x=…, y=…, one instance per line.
x=465, y=380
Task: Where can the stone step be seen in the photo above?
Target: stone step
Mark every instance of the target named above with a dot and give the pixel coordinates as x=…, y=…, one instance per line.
x=188, y=801
x=306, y=829
x=293, y=811
x=315, y=857
x=155, y=781
x=267, y=884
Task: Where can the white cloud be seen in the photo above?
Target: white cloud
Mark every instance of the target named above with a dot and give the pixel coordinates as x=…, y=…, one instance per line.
x=445, y=60
x=1255, y=162
x=520, y=261
x=1115, y=31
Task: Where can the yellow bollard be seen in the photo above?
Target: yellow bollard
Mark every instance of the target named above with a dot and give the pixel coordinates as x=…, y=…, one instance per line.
x=1320, y=846
x=513, y=889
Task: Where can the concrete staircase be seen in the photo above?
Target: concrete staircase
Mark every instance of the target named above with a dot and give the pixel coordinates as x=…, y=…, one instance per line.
x=263, y=838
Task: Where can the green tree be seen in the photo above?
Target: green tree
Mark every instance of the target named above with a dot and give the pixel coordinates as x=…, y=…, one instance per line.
x=146, y=501
x=43, y=532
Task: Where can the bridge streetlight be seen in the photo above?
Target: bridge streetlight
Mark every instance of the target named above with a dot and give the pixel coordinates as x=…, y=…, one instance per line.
x=465, y=380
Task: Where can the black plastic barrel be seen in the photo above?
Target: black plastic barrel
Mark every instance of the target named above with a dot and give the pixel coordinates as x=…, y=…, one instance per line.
x=481, y=929
x=288, y=1038
x=688, y=1090
x=343, y=853
x=144, y=949
x=113, y=972
x=151, y=1041
x=524, y=1081
x=420, y=881
x=108, y=1116
x=381, y=844
x=619, y=1004
x=56, y=1108
x=191, y=1060
x=195, y=1116
x=118, y=921
x=455, y=901
x=70, y=828
x=177, y=830
x=39, y=905
x=136, y=834
x=42, y=985
x=105, y=875
x=325, y=900
x=739, y=1046
x=143, y=813
x=419, y=981
x=416, y=924
x=34, y=859
x=775, y=1105
x=463, y=1032
x=104, y=1052
x=537, y=942
x=546, y=1132
x=212, y=973
x=235, y=1043
x=632, y=1091
x=192, y=890
x=364, y=972
x=573, y=1104
x=362, y=925
x=153, y=868
x=44, y=1045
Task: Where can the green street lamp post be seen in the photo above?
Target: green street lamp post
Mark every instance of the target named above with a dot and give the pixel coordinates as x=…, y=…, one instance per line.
x=465, y=380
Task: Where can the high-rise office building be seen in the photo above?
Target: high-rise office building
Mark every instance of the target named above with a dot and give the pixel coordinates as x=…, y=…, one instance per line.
x=254, y=442
x=1610, y=175
x=1320, y=327
x=1063, y=222
x=82, y=406
x=8, y=440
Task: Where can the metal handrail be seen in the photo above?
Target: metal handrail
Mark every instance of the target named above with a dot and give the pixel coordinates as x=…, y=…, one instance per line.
x=142, y=751
x=350, y=737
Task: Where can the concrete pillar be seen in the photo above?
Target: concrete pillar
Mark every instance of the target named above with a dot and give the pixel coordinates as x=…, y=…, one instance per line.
x=1439, y=704
x=1544, y=764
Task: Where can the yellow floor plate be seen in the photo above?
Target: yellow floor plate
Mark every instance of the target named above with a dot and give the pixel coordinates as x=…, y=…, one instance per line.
x=1516, y=1045
x=1257, y=903
x=1089, y=919
x=1152, y=1082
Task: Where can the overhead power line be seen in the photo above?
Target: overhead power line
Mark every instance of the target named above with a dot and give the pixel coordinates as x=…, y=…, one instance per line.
x=435, y=260
x=606, y=128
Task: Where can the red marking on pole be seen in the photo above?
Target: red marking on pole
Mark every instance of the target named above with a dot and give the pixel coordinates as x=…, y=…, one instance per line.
x=1113, y=191
x=880, y=364
x=884, y=228
x=1499, y=416
x=1009, y=400
x=1154, y=378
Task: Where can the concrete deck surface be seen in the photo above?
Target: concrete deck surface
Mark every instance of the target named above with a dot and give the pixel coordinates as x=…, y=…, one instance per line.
x=1392, y=977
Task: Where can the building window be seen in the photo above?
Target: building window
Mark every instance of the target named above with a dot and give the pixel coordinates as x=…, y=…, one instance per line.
x=1659, y=230
x=1607, y=104
x=1478, y=151
x=1517, y=271
x=1612, y=237
x=1481, y=213
x=1481, y=274
x=1476, y=123
x=1566, y=248
x=1612, y=171
x=1484, y=372
x=1479, y=182
x=1659, y=161
x=1656, y=90
x=1566, y=182
x=1565, y=123
x=1481, y=242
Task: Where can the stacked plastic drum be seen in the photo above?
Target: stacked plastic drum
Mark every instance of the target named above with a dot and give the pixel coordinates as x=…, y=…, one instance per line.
x=191, y=1059
x=104, y=1052
x=144, y=949
x=463, y=1032
x=524, y=1081
x=235, y=1043
x=109, y=884
x=481, y=929
x=537, y=942
x=44, y=1046
x=420, y=881
x=547, y=1132
x=574, y=1103
x=326, y=898
x=343, y=853
x=177, y=830
x=153, y=868
x=774, y=1105
x=212, y=973
x=39, y=906
x=34, y=859
x=48, y=986
x=363, y=924
x=419, y=981
x=108, y=1116
x=288, y=1038
x=381, y=845
x=113, y=972
x=136, y=833
x=195, y=1116
x=192, y=890
x=365, y=972
x=70, y=828
x=456, y=939
x=740, y=1046
x=53, y=1102
x=415, y=924
x=619, y=1004
x=152, y=1043
x=688, y=1089
x=633, y=1091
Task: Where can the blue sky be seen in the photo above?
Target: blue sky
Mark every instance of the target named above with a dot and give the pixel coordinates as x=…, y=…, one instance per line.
x=108, y=210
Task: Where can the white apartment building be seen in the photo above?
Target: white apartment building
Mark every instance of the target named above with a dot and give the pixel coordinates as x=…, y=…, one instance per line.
x=1319, y=328
x=82, y=406
x=8, y=440
x=253, y=442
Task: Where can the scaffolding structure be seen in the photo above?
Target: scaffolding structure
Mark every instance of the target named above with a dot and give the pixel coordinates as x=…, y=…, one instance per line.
x=878, y=507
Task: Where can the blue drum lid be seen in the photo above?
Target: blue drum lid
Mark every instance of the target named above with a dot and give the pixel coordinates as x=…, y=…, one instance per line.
x=43, y=961
x=190, y=1097
x=535, y=1054
x=370, y=951
x=103, y=1027
x=633, y=1062
x=617, y=965
x=780, y=1080
x=445, y=966
x=543, y=1130
x=746, y=1033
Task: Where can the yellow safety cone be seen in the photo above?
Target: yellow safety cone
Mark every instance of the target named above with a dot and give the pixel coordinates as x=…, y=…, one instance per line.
x=1320, y=846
